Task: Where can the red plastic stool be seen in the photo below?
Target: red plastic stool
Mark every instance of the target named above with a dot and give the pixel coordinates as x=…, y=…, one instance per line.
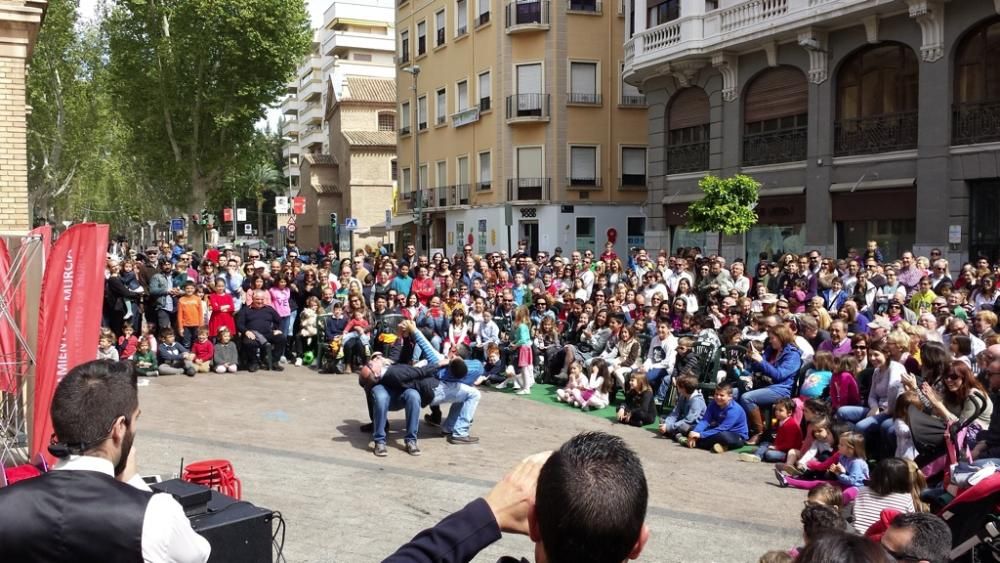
x=217, y=474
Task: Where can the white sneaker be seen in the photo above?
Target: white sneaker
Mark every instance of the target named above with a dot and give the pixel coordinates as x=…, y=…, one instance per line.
x=298, y=361
x=523, y=392
x=502, y=385
x=282, y=360
x=749, y=458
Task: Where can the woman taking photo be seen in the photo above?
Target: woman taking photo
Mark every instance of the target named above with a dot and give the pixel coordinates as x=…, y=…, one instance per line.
x=774, y=374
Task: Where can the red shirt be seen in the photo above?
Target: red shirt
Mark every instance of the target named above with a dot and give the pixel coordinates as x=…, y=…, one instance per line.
x=203, y=351
x=789, y=435
x=424, y=288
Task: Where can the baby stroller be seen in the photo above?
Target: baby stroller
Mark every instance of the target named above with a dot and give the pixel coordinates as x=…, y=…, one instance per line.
x=974, y=519
x=940, y=445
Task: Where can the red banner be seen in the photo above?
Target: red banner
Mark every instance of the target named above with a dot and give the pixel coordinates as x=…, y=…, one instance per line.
x=227, y=215
x=8, y=338
x=299, y=205
x=69, y=317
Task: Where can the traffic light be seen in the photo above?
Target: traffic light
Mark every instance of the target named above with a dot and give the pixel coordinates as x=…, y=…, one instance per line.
x=333, y=219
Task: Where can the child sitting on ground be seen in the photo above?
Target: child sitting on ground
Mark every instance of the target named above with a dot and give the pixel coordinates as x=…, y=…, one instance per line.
x=813, y=410
x=787, y=437
x=688, y=410
x=226, y=354
x=203, y=351
x=576, y=381
x=127, y=342
x=724, y=426
x=848, y=468
x=820, y=449
x=494, y=369
x=144, y=359
x=595, y=394
x=638, y=408
x=106, y=347
x=173, y=357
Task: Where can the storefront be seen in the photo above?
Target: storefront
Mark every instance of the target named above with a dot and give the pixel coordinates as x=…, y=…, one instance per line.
x=886, y=215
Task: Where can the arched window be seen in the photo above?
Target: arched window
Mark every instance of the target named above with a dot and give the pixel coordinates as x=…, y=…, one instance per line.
x=877, y=100
x=687, y=131
x=775, y=115
x=977, y=86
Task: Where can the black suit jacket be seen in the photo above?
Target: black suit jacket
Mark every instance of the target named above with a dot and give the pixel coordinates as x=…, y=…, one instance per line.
x=456, y=539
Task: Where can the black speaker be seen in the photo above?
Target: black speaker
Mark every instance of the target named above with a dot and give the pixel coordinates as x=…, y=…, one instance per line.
x=238, y=531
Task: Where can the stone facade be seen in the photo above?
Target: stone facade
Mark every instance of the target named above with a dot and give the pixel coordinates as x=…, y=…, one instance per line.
x=19, y=24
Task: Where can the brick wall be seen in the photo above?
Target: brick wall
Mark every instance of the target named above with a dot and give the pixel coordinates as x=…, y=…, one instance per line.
x=13, y=157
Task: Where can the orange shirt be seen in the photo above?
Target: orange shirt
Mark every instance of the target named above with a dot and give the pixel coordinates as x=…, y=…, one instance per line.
x=189, y=311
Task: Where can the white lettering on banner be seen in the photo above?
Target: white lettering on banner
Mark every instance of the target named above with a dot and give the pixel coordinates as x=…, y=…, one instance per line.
x=69, y=273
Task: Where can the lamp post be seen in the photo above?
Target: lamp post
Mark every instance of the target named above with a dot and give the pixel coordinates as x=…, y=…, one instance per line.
x=415, y=71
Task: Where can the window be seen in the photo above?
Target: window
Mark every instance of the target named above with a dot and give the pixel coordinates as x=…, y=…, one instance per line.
x=461, y=18
x=633, y=166
x=407, y=187
x=404, y=118
x=386, y=122
x=531, y=182
x=586, y=234
x=362, y=57
x=485, y=91
x=421, y=113
x=485, y=171
x=422, y=177
x=529, y=99
x=439, y=28
x=462, y=170
x=662, y=11
x=394, y=171
x=583, y=166
x=404, y=46
x=636, y=231
x=441, y=106
x=421, y=38
x=484, y=12
x=877, y=101
x=441, y=173
x=583, y=83
x=687, y=131
x=462, y=97
x=592, y=6
x=977, y=86
x=630, y=94
x=775, y=112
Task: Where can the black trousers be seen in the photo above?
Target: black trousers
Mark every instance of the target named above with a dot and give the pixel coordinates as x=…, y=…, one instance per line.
x=252, y=347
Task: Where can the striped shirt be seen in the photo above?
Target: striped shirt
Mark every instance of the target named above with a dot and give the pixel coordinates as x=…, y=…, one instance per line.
x=868, y=507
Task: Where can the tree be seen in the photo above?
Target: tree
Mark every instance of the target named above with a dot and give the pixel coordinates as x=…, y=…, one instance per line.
x=728, y=205
x=192, y=77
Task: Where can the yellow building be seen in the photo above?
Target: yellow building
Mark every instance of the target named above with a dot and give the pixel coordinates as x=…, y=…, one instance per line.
x=519, y=102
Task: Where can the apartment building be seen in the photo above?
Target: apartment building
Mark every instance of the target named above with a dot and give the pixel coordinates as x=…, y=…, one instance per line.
x=517, y=102
x=862, y=120
x=355, y=45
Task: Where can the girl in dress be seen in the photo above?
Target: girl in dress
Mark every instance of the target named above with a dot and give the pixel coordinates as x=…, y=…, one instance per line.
x=521, y=340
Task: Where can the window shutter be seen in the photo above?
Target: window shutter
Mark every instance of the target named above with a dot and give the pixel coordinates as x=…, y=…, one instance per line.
x=529, y=79
x=583, y=163
x=778, y=92
x=529, y=163
x=485, y=170
x=583, y=78
x=689, y=108
x=634, y=161
x=463, y=96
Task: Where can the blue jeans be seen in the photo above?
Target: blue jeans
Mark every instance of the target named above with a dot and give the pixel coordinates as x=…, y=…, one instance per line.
x=764, y=397
x=878, y=430
x=464, y=399
x=659, y=381
x=770, y=456
x=290, y=323
x=384, y=401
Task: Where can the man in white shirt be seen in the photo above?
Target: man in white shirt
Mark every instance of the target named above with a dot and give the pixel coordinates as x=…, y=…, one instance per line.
x=93, y=507
x=679, y=271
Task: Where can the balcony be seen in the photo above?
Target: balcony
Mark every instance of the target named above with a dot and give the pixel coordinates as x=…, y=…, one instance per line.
x=404, y=130
x=875, y=134
x=440, y=37
x=634, y=101
x=771, y=147
x=529, y=189
x=523, y=108
x=447, y=196
x=377, y=12
x=975, y=123
x=632, y=182
x=311, y=114
x=465, y=117
x=577, y=99
x=687, y=157
x=311, y=87
x=484, y=186
x=335, y=42
x=584, y=6
x=527, y=15
x=583, y=184
x=312, y=136
x=482, y=19
x=484, y=104
x=738, y=28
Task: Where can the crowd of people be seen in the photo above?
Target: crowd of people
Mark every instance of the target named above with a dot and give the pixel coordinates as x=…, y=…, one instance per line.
x=818, y=365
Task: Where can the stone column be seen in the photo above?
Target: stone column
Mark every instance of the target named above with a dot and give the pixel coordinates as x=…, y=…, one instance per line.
x=933, y=142
x=19, y=23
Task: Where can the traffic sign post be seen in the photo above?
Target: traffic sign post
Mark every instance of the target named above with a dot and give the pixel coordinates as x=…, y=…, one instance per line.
x=177, y=224
x=351, y=224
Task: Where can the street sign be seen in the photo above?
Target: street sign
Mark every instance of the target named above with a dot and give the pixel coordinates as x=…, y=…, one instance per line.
x=508, y=214
x=241, y=214
x=291, y=227
x=388, y=218
x=281, y=204
x=177, y=224
x=248, y=229
x=351, y=224
x=299, y=205
x=227, y=215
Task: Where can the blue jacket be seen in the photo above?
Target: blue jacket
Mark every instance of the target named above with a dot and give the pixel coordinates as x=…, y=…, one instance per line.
x=475, y=368
x=855, y=472
x=730, y=419
x=689, y=410
x=335, y=327
x=832, y=302
x=782, y=370
x=456, y=539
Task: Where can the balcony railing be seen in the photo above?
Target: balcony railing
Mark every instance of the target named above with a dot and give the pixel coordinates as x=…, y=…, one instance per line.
x=405, y=130
x=465, y=117
x=770, y=147
x=440, y=196
x=687, y=157
x=404, y=57
x=483, y=19
x=634, y=101
x=484, y=186
x=461, y=194
x=447, y=196
x=484, y=104
x=587, y=6
x=751, y=13
x=975, y=123
x=440, y=120
x=421, y=45
x=527, y=14
x=440, y=36
x=528, y=107
x=632, y=182
x=583, y=99
x=578, y=183
x=528, y=189
x=875, y=134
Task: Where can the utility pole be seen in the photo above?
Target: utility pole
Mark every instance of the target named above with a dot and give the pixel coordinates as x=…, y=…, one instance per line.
x=415, y=71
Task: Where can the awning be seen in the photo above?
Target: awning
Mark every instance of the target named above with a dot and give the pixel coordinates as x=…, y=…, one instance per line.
x=873, y=185
x=358, y=22
x=398, y=222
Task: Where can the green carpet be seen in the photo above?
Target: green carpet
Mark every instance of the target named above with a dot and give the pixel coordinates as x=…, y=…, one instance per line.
x=545, y=393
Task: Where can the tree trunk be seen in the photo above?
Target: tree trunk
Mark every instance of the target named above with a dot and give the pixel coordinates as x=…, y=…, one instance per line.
x=260, y=217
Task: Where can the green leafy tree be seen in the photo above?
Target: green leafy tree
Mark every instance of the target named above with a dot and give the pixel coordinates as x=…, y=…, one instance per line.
x=192, y=77
x=728, y=205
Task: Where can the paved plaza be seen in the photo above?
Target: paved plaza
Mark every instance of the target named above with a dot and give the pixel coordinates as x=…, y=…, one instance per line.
x=294, y=441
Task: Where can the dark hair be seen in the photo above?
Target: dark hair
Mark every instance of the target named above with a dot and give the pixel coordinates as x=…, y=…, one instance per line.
x=687, y=382
x=166, y=332
x=818, y=406
x=591, y=500
x=817, y=518
x=786, y=403
x=931, y=537
x=457, y=368
x=891, y=475
x=836, y=546
x=89, y=400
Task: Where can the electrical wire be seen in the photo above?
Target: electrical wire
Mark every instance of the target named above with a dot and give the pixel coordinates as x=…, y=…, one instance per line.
x=279, y=547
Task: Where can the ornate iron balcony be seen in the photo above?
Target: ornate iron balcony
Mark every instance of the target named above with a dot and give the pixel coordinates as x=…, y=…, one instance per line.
x=688, y=157
x=788, y=145
x=528, y=189
x=975, y=123
x=875, y=134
